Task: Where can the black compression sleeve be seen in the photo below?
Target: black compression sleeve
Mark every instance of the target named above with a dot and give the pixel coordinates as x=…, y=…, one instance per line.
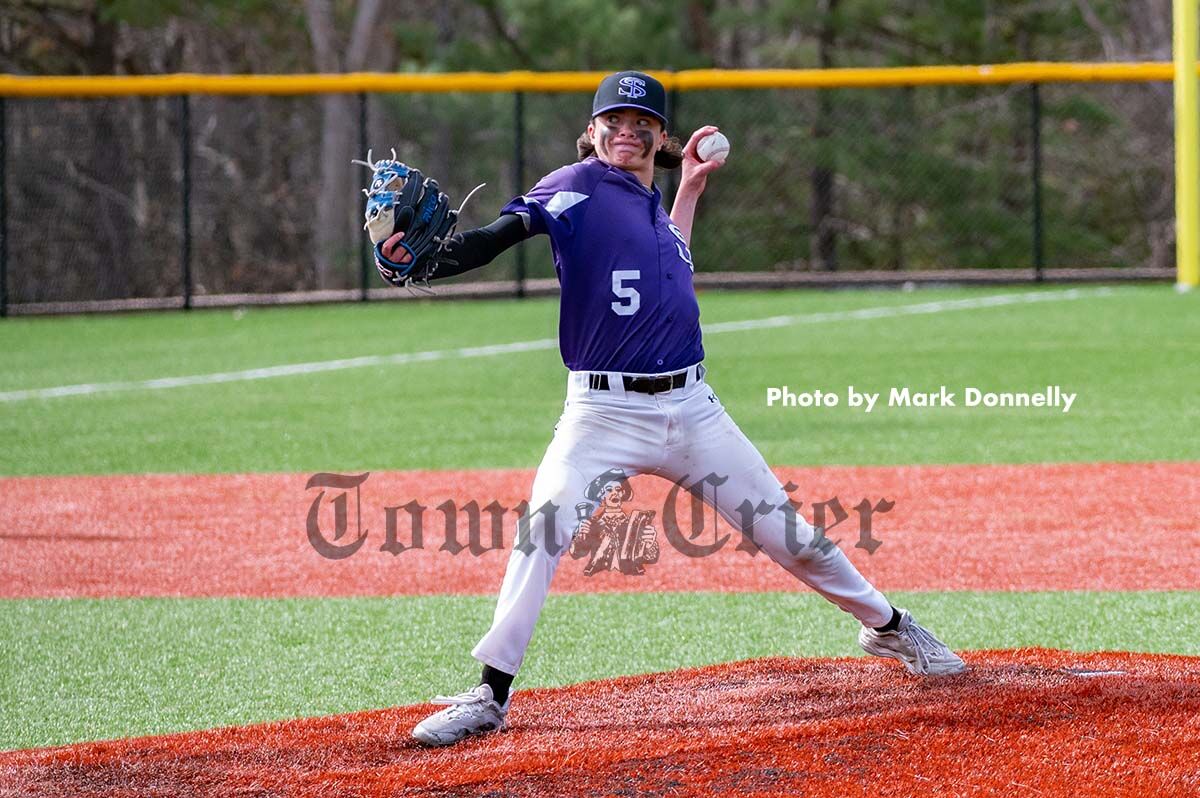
x=479, y=247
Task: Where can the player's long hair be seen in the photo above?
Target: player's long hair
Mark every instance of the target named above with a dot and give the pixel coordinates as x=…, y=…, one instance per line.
x=669, y=156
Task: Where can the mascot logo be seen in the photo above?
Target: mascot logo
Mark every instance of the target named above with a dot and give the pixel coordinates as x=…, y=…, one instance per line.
x=611, y=538
x=632, y=87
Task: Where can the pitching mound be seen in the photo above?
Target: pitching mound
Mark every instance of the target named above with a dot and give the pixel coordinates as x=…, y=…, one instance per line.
x=1030, y=722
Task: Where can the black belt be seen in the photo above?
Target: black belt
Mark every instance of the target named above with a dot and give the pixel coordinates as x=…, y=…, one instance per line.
x=650, y=385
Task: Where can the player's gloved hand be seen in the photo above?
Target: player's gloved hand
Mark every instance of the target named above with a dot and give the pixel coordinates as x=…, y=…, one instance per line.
x=400, y=200
x=395, y=254
x=392, y=253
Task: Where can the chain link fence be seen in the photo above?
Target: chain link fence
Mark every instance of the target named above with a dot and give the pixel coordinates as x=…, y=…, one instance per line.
x=165, y=201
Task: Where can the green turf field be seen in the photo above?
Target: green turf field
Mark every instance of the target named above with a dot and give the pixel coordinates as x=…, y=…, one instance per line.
x=1130, y=356
x=83, y=669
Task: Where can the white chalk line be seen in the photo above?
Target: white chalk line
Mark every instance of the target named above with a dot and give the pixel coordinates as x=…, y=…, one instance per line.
x=316, y=367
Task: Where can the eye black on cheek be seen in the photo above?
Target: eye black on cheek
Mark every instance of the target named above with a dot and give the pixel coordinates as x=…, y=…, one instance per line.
x=647, y=140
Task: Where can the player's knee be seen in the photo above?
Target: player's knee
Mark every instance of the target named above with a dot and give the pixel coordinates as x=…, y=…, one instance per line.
x=783, y=533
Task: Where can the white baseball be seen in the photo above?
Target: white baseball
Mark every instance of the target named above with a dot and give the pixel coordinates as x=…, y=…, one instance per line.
x=713, y=147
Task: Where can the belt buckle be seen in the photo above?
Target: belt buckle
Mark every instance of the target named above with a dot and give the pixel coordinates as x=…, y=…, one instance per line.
x=658, y=383
x=662, y=384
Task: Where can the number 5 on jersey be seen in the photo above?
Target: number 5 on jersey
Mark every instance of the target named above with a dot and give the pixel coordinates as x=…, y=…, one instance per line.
x=631, y=300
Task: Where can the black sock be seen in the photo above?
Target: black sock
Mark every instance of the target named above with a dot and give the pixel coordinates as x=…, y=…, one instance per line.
x=499, y=681
x=891, y=625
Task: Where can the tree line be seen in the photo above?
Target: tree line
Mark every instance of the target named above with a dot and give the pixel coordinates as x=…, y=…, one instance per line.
x=911, y=178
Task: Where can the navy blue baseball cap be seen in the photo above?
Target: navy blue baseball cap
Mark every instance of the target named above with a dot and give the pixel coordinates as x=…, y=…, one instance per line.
x=631, y=90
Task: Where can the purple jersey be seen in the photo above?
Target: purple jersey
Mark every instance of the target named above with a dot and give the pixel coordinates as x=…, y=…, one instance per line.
x=626, y=273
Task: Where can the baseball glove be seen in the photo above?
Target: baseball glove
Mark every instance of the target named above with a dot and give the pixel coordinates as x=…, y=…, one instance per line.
x=402, y=200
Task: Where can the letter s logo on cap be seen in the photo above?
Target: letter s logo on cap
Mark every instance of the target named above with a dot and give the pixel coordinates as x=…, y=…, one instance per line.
x=632, y=87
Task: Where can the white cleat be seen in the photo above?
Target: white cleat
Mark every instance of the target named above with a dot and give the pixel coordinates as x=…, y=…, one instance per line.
x=472, y=712
x=915, y=646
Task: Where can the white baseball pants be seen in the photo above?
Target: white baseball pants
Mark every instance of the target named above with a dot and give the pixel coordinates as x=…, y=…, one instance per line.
x=683, y=433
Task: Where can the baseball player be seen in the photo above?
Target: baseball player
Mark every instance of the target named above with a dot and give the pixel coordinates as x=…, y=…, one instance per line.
x=637, y=400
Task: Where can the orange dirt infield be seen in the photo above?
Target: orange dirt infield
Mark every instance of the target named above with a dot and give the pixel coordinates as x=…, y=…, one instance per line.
x=1028, y=722
x=1037, y=527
